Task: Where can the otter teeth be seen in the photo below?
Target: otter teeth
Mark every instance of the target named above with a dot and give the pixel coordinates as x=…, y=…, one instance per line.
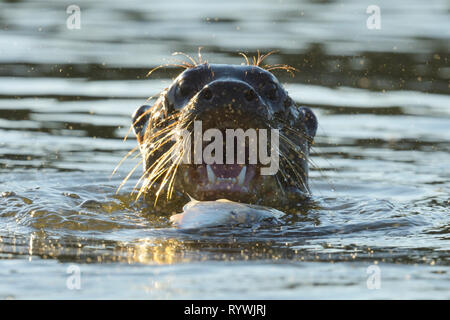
x=241, y=176
x=211, y=175
x=238, y=180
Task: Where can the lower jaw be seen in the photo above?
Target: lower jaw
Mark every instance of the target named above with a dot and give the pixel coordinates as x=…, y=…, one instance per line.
x=229, y=195
x=224, y=190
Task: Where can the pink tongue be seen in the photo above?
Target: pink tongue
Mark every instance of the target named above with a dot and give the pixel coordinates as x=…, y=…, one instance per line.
x=226, y=170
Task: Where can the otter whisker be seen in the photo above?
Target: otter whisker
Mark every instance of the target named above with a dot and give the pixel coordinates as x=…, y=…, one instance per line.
x=171, y=185
x=194, y=63
x=123, y=159
x=245, y=57
x=151, y=140
x=257, y=61
x=297, y=174
x=148, y=170
x=135, y=188
x=159, y=172
x=286, y=159
x=279, y=184
x=300, y=153
x=156, y=145
x=289, y=69
x=128, y=176
x=146, y=185
x=150, y=136
x=200, y=61
x=163, y=182
x=161, y=162
x=159, y=124
x=281, y=169
x=300, y=134
x=183, y=65
x=293, y=146
x=172, y=171
x=263, y=57
x=128, y=133
x=160, y=169
x=154, y=170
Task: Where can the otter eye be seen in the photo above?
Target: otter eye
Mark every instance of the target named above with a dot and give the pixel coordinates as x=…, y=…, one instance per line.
x=271, y=92
x=184, y=89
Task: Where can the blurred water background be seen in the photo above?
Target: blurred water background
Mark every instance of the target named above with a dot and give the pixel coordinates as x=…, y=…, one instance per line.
x=381, y=180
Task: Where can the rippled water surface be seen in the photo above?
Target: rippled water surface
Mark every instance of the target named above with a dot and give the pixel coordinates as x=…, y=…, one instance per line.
x=381, y=179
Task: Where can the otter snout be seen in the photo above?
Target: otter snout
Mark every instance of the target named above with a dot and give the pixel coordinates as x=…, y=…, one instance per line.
x=234, y=98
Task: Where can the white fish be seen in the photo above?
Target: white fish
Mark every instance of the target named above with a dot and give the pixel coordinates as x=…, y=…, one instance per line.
x=201, y=214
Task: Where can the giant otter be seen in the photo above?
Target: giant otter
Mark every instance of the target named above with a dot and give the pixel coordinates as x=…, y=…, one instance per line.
x=224, y=97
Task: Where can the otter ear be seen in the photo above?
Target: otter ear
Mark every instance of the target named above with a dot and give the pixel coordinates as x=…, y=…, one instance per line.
x=310, y=121
x=140, y=118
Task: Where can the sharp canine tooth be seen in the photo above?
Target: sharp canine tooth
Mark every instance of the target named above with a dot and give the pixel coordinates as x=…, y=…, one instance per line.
x=241, y=176
x=211, y=175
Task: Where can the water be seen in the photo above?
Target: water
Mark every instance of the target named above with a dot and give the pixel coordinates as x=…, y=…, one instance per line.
x=381, y=179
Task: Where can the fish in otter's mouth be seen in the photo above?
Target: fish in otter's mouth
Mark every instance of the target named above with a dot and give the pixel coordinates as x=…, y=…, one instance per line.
x=226, y=131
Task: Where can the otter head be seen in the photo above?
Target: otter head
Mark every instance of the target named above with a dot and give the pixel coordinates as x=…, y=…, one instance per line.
x=226, y=131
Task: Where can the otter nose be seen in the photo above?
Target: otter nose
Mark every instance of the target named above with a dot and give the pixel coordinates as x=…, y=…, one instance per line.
x=231, y=95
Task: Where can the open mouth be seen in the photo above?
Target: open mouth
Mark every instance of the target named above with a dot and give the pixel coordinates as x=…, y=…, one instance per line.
x=222, y=180
x=232, y=175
